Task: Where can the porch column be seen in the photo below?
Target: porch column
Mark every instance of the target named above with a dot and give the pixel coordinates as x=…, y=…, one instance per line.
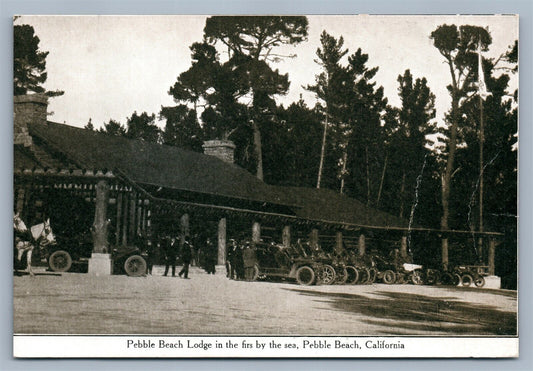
x=338, y=242
x=445, y=253
x=221, y=241
x=403, y=247
x=256, y=232
x=20, y=200
x=313, y=238
x=184, y=227
x=492, y=250
x=362, y=245
x=132, y=222
x=286, y=236
x=125, y=220
x=119, y=218
x=100, y=261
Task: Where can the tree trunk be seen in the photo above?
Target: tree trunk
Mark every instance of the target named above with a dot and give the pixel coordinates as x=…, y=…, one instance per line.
x=99, y=229
x=258, y=150
x=322, y=152
x=382, y=179
x=367, y=177
x=446, y=179
x=343, y=170
x=402, y=196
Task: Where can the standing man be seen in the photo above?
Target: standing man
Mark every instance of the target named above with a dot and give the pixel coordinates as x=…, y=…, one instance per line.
x=171, y=253
x=186, y=256
x=249, y=260
x=211, y=257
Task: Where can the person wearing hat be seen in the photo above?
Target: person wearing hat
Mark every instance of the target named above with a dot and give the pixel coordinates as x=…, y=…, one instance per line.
x=170, y=249
x=186, y=256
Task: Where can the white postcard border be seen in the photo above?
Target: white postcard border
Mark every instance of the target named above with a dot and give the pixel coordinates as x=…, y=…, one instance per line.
x=46, y=346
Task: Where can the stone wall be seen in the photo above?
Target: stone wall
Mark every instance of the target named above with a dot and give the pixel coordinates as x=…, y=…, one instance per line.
x=28, y=108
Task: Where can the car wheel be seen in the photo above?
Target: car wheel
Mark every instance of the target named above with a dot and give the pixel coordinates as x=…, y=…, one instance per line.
x=352, y=275
x=305, y=275
x=326, y=274
x=467, y=280
x=341, y=276
x=135, y=266
x=417, y=277
x=479, y=281
x=60, y=261
x=389, y=277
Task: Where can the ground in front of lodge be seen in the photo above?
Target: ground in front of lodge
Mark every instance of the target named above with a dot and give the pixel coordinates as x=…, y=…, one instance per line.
x=76, y=303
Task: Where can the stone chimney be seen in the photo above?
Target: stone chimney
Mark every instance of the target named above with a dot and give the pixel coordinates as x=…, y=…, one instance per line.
x=223, y=149
x=28, y=109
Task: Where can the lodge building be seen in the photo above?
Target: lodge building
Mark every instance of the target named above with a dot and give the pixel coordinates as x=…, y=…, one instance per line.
x=115, y=188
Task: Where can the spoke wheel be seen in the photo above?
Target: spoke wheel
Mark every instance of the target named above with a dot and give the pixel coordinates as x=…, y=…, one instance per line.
x=135, y=266
x=341, y=274
x=389, y=277
x=364, y=275
x=417, y=277
x=467, y=280
x=479, y=281
x=305, y=275
x=352, y=275
x=327, y=274
x=60, y=261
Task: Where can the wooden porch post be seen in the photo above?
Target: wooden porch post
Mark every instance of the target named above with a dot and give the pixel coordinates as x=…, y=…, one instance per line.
x=133, y=210
x=184, y=227
x=362, y=245
x=100, y=261
x=403, y=247
x=221, y=241
x=125, y=220
x=20, y=200
x=313, y=238
x=338, y=242
x=256, y=232
x=445, y=253
x=492, y=251
x=286, y=236
x=119, y=218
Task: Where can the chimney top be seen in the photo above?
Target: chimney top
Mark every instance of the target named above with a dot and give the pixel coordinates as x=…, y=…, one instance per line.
x=29, y=108
x=223, y=149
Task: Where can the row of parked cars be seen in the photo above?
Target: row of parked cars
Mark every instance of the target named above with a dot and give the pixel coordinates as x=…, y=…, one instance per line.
x=312, y=265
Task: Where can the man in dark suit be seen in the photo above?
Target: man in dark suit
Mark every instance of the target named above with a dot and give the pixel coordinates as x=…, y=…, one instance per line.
x=186, y=256
x=170, y=248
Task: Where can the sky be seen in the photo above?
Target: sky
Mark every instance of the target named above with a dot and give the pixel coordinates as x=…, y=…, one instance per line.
x=111, y=66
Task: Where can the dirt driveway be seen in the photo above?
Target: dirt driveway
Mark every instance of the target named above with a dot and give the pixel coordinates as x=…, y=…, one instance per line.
x=75, y=303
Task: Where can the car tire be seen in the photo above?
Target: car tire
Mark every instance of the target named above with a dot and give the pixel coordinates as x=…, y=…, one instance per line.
x=479, y=281
x=352, y=275
x=305, y=275
x=467, y=280
x=389, y=277
x=60, y=261
x=135, y=266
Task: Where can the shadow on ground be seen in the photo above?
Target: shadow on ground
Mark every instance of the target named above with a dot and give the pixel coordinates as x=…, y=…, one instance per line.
x=413, y=314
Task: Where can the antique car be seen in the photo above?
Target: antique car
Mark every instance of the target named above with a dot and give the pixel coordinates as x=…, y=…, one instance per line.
x=129, y=260
x=61, y=256
x=293, y=262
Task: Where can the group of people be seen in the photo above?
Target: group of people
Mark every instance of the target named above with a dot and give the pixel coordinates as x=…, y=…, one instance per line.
x=241, y=261
x=172, y=248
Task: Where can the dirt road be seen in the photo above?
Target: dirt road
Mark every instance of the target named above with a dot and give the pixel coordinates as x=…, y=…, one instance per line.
x=74, y=303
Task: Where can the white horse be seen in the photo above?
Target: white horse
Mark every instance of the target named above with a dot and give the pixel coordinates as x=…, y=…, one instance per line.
x=26, y=240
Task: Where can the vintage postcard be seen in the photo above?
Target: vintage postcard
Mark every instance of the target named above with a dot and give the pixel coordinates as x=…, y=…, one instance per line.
x=265, y=186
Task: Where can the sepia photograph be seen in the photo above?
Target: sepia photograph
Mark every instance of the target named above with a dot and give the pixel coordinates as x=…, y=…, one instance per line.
x=277, y=186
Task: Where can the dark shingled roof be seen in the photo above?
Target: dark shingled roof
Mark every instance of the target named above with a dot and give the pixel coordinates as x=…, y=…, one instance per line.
x=176, y=168
x=325, y=204
x=151, y=163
